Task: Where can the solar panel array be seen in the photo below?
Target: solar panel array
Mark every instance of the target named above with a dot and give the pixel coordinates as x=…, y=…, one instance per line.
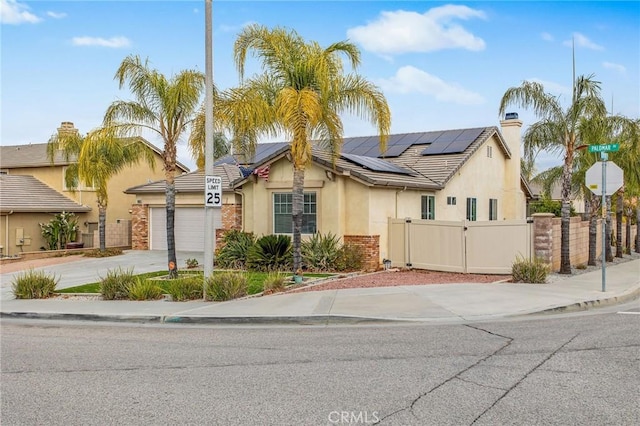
x=452, y=141
x=376, y=164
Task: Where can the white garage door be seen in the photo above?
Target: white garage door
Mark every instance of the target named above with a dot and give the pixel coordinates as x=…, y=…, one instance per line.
x=188, y=228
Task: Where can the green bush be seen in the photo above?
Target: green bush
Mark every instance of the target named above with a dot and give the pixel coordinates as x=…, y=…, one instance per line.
x=106, y=253
x=143, y=289
x=186, y=288
x=226, y=286
x=270, y=253
x=547, y=205
x=529, y=271
x=34, y=285
x=115, y=285
x=191, y=263
x=320, y=252
x=235, y=245
x=274, y=282
x=350, y=258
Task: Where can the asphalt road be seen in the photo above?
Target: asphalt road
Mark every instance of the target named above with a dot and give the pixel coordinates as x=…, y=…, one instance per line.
x=578, y=369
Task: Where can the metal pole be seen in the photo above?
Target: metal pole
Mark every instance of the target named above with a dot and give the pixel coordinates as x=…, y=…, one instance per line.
x=603, y=157
x=209, y=225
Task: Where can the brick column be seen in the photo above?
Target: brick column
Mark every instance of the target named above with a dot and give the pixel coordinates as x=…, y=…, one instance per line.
x=371, y=248
x=543, y=237
x=140, y=227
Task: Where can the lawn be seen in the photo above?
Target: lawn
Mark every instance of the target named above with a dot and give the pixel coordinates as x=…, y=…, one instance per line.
x=256, y=280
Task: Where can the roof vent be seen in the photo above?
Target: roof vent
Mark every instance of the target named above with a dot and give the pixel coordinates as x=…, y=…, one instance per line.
x=511, y=116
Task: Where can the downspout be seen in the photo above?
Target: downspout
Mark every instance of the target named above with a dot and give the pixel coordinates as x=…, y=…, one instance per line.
x=397, y=193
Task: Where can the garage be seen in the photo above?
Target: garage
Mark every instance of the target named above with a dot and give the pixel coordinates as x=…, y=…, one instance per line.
x=188, y=228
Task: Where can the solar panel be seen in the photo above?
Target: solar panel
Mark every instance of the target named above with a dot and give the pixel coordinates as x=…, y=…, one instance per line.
x=453, y=141
x=376, y=164
x=448, y=136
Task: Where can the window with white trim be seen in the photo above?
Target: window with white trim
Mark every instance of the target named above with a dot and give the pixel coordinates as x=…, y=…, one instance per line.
x=493, y=209
x=451, y=201
x=80, y=186
x=283, y=209
x=428, y=208
x=471, y=209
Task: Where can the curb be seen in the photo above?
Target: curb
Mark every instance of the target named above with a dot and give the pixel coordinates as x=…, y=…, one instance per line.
x=589, y=304
x=140, y=319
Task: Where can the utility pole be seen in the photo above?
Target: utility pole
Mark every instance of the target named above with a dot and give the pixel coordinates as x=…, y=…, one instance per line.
x=209, y=225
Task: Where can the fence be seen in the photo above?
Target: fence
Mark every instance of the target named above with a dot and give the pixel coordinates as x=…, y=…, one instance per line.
x=452, y=246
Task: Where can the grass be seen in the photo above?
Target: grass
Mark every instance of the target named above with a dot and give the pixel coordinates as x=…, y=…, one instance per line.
x=255, y=281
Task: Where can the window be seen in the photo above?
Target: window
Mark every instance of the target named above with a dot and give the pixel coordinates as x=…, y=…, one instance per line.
x=451, y=201
x=493, y=209
x=282, y=213
x=428, y=207
x=489, y=151
x=79, y=185
x=471, y=209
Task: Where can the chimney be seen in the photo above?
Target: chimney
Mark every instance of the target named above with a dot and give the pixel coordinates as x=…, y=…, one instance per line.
x=66, y=127
x=515, y=201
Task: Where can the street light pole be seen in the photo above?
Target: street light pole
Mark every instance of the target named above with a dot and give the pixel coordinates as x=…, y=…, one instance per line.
x=209, y=226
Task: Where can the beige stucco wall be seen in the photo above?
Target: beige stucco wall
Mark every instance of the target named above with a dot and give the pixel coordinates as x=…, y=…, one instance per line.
x=29, y=223
x=119, y=202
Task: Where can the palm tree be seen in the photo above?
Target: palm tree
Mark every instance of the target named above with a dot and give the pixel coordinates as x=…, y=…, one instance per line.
x=162, y=106
x=301, y=93
x=99, y=156
x=558, y=131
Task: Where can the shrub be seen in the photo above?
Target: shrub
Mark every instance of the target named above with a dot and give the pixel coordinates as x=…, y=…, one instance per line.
x=270, y=253
x=143, y=289
x=34, y=285
x=192, y=263
x=226, y=286
x=235, y=245
x=274, y=282
x=528, y=271
x=350, y=258
x=106, y=253
x=116, y=284
x=186, y=288
x=546, y=205
x=320, y=252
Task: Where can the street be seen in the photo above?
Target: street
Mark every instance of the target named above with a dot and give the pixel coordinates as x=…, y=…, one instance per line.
x=573, y=369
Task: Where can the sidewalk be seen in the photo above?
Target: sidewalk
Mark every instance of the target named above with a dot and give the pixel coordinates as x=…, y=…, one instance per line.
x=436, y=303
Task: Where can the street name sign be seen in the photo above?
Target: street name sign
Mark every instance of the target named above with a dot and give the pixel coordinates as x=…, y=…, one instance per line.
x=608, y=147
x=213, y=191
x=614, y=178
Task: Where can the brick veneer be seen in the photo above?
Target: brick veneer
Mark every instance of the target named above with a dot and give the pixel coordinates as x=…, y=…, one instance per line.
x=140, y=227
x=232, y=216
x=371, y=248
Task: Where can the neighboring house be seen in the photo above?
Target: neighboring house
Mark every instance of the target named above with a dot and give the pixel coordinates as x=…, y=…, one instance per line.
x=452, y=175
x=32, y=160
x=24, y=203
x=577, y=201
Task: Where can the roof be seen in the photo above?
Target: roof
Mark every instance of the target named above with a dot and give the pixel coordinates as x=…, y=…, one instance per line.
x=35, y=155
x=424, y=166
x=28, y=194
x=190, y=182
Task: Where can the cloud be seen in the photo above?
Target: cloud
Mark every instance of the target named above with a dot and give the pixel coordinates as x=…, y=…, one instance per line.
x=616, y=67
x=113, y=42
x=12, y=12
x=553, y=88
x=235, y=28
x=546, y=36
x=401, y=31
x=56, y=15
x=409, y=79
x=582, y=41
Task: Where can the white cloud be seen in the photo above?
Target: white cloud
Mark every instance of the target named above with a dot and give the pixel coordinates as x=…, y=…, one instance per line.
x=409, y=79
x=553, y=88
x=582, y=41
x=546, y=36
x=12, y=12
x=615, y=67
x=114, y=42
x=56, y=15
x=401, y=31
x=235, y=28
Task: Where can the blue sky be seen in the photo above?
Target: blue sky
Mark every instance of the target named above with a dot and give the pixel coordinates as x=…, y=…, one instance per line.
x=441, y=65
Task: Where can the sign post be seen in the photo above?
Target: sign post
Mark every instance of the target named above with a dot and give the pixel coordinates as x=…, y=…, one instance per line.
x=611, y=179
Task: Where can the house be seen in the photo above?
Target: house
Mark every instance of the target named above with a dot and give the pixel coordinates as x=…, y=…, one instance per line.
x=32, y=160
x=452, y=175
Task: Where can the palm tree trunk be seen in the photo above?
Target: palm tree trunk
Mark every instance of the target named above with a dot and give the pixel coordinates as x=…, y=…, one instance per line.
x=565, y=256
x=102, y=224
x=609, y=254
x=296, y=212
x=171, y=241
x=627, y=244
x=593, y=230
x=637, y=225
x=619, y=206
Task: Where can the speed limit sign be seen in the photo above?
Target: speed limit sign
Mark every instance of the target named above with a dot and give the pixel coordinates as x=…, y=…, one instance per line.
x=213, y=191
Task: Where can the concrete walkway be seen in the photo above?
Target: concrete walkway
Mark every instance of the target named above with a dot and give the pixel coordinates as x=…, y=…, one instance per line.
x=438, y=303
